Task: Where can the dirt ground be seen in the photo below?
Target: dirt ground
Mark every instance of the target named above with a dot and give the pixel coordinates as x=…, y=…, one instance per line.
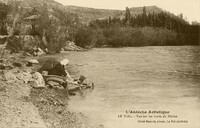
x=52, y=106
x=16, y=108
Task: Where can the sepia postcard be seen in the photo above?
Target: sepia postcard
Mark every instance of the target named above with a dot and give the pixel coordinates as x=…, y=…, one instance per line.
x=99, y=64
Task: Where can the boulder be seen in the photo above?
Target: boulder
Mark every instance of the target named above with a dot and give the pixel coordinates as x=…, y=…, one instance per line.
x=38, y=81
x=39, y=52
x=31, y=62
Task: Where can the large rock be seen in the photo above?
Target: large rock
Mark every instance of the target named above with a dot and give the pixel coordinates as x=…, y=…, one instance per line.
x=70, y=46
x=38, y=81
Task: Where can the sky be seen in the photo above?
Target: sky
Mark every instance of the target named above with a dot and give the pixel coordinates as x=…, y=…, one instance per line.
x=189, y=8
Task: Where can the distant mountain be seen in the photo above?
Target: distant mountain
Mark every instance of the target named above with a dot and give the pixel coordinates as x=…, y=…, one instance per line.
x=85, y=14
x=88, y=14
x=33, y=3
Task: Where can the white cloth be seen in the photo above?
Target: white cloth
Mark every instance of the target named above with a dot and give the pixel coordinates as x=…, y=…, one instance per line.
x=64, y=62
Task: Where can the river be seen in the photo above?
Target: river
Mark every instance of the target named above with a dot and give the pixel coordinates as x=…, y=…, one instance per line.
x=139, y=79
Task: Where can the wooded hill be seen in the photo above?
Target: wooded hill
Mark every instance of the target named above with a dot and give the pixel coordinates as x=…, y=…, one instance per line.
x=85, y=14
x=51, y=24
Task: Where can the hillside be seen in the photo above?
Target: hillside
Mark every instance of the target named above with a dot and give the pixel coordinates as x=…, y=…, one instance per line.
x=68, y=22
x=85, y=14
x=88, y=14
x=26, y=4
x=149, y=9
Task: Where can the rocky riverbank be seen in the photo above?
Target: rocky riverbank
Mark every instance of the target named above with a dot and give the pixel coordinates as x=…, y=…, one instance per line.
x=23, y=106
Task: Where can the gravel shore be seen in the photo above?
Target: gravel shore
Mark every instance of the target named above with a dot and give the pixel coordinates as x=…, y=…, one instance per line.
x=22, y=106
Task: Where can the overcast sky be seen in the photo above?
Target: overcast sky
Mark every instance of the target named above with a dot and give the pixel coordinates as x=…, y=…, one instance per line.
x=189, y=8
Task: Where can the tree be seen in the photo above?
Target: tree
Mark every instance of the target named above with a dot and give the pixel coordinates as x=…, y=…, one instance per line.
x=3, y=16
x=144, y=17
x=127, y=16
x=181, y=16
x=3, y=11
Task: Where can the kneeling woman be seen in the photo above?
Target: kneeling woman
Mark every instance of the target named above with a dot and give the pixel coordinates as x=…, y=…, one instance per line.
x=53, y=67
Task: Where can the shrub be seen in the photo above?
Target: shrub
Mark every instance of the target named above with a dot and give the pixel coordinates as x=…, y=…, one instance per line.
x=100, y=38
x=14, y=44
x=85, y=37
x=116, y=39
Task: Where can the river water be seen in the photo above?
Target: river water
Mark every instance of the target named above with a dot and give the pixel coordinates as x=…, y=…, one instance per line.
x=139, y=79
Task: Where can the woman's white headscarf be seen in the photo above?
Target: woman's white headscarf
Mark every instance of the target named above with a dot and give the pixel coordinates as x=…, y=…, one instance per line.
x=64, y=62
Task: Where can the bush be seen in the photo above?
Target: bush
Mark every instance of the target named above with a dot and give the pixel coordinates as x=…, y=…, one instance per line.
x=85, y=37
x=14, y=45
x=115, y=37
x=100, y=38
x=57, y=38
